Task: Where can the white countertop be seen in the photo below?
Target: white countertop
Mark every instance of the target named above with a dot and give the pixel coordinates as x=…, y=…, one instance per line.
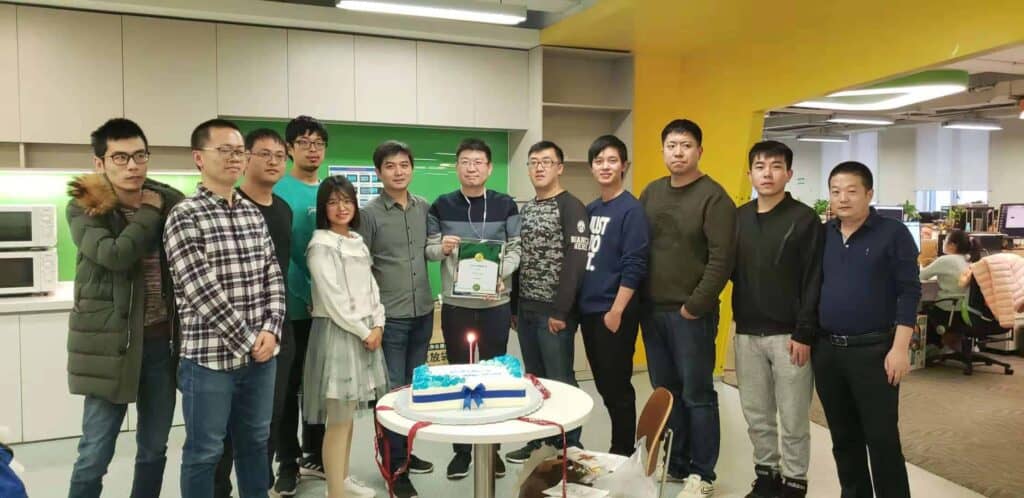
x=61, y=300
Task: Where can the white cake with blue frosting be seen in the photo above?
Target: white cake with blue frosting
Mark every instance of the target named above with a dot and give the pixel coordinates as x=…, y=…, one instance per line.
x=494, y=383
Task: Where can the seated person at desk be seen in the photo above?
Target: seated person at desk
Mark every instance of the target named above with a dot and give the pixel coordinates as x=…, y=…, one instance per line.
x=958, y=252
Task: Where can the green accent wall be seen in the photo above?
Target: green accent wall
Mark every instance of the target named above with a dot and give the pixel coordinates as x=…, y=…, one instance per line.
x=349, y=145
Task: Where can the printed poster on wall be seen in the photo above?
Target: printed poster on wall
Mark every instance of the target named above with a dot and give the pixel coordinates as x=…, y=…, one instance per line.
x=363, y=178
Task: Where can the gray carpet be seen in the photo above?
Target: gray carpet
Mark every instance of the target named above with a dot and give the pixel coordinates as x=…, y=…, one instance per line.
x=968, y=429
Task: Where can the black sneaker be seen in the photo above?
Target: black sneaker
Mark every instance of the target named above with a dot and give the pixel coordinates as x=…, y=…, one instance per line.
x=793, y=488
x=521, y=455
x=676, y=476
x=287, y=481
x=767, y=485
x=403, y=487
x=458, y=468
x=417, y=466
x=499, y=465
x=312, y=466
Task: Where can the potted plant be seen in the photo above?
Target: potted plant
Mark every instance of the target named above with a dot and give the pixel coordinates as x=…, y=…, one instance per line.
x=910, y=212
x=821, y=208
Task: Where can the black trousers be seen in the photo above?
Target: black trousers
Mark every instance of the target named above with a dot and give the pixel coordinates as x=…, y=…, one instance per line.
x=491, y=325
x=862, y=409
x=285, y=359
x=611, y=361
x=289, y=450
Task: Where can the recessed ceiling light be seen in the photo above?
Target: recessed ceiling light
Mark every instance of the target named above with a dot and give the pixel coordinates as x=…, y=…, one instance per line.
x=865, y=120
x=896, y=93
x=457, y=10
x=973, y=124
x=824, y=138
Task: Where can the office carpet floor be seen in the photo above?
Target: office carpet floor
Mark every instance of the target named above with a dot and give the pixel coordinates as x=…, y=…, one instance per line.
x=968, y=429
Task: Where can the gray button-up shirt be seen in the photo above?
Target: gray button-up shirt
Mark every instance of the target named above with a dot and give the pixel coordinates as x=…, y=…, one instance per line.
x=397, y=239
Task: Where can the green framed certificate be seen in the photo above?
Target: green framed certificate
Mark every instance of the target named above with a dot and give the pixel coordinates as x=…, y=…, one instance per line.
x=479, y=268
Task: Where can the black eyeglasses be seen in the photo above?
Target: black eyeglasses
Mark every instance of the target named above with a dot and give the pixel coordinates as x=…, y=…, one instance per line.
x=122, y=158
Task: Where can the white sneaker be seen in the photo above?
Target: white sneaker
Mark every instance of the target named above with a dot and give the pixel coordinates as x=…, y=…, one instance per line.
x=694, y=487
x=357, y=489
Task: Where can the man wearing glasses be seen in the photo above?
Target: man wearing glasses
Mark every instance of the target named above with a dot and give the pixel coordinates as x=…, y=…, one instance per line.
x=231, y=299
x=120, y=347
x=473, y=213
x=555, y=243
x=265, y=167
x=307, y=145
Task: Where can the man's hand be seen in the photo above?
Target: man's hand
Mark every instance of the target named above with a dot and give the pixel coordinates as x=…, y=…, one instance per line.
x=372, y=342
x=799, y=353
x=515, y=323
x=449, y=243
x=897, y=364
x=612, y=320
x=555, y=325
x=686, y=314
x=499, y=289
x=152, y=198
x=263, y=350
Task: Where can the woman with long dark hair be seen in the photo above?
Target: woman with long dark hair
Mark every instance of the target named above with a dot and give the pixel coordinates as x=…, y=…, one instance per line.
x=959, y=251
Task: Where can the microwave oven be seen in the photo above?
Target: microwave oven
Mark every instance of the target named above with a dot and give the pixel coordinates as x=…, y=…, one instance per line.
x=28, y=272
x=24, y=227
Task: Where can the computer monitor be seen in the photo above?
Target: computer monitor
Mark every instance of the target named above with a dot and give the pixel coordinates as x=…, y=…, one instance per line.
x=1011, y=220
x=915, y=231
x=894, y=212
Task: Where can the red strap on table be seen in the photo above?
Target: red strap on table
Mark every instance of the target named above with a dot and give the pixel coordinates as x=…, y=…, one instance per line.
x=382, y=444
x=565, y=450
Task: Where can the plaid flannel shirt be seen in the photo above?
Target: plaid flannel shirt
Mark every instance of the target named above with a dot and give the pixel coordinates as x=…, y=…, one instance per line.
x=227, y=283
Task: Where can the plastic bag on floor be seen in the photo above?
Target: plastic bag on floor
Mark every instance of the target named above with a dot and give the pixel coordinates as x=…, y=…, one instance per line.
x=630, y=480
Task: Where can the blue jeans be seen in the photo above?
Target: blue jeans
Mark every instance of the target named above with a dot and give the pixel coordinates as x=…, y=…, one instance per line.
x=215, y=402
x=549, y=356
x=405, y=344
x=681, y=358
x=101, y=423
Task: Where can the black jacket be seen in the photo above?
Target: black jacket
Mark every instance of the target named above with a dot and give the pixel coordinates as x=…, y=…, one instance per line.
x=777, y=275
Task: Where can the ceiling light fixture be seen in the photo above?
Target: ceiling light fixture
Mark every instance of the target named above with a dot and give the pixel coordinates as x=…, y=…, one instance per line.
x=465, y=10
x=862, y=120
x=896, y=93
x=973, y=124
x=823, y=137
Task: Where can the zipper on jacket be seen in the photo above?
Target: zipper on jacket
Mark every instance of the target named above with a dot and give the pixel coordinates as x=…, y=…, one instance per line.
x=782, y=245
x=131, y=304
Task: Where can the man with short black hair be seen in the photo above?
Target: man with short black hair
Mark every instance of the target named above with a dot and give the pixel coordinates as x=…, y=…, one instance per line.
x=306, y=140
x=121, y=343
x=473, y=212
x=230, y=295
x=869, y=295
x=265, y=167
x=554, y=243
x=776, y=280
x=692, y=252
x=394, y=228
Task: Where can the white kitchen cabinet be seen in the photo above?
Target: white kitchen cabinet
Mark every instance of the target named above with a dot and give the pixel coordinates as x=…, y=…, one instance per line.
x=49, y=410
x=445, y=79
x=10, y=118
x=252, y=71
x=321, y=79
x=69, y=73
x=385, y=80
x=501, y=88
x=170, y=76
x=10, y=372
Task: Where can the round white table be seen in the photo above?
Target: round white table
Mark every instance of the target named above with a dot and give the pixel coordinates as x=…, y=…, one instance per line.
x=568, y=406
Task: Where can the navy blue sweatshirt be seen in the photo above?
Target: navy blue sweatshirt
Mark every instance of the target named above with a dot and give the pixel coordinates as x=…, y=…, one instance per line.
x=619, y=240
x=870, y=282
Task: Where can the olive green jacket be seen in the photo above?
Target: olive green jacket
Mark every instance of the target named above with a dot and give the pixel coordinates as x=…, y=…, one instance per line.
x=105, y=329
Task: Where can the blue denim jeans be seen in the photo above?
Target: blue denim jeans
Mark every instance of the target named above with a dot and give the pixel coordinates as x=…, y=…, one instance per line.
x=405, y=344
x=101, y=423
x=681, y=358
x=215, y=402
x=549, y=356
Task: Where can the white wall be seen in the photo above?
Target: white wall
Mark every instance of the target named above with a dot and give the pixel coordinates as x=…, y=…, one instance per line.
x=1006, y=164
x=895, y=181
x=807, y=184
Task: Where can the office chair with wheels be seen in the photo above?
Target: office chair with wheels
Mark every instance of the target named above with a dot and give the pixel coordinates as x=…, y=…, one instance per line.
x=974, y=321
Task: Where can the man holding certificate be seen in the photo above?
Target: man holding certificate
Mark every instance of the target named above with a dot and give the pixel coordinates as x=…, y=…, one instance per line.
x=475, y=233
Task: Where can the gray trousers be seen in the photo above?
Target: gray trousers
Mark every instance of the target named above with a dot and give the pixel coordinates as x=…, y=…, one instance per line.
x=769, y=383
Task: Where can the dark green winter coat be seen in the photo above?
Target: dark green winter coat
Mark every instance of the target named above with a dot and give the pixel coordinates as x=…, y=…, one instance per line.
x=105, y=329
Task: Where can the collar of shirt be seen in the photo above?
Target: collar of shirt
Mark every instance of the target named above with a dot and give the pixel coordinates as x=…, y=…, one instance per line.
x=212, y=196
x=869, y=223
x=389, y=202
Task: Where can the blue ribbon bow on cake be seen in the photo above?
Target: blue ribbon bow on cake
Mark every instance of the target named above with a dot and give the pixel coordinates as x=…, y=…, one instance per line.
x=474, y=395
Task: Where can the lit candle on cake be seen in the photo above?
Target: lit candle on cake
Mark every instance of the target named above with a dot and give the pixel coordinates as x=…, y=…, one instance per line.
x=471, y=339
